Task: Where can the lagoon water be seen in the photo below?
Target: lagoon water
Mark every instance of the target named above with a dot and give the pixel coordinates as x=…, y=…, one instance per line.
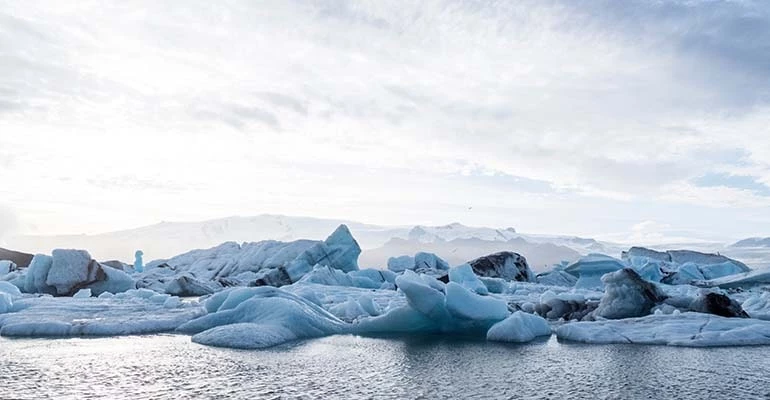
x=171, y=367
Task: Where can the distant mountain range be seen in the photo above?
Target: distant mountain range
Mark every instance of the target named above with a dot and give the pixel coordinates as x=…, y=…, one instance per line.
x=454, y=242
x=753, y=242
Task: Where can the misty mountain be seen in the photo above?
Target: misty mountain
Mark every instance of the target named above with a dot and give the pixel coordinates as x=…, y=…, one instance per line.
x=540, y=256
x=752, y=242
x=454, y=242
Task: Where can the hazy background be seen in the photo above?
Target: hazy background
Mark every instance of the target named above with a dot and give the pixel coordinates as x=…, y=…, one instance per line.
x=630, y=121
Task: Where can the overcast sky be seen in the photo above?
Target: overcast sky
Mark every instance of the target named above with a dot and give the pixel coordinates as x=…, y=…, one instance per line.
x=600, y=118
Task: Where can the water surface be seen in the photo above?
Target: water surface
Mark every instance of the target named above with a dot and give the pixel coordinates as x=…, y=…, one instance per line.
x=171, y=367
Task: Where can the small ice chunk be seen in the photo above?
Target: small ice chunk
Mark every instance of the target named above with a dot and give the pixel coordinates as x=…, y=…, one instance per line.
x=82, y=294
x=518, y=328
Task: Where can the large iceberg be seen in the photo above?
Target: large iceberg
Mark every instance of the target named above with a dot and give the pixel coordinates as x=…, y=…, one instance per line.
x=680, y=267
x=254, y=318
x=261, y=317
x=67, y=271
x=627, y=295
x=269, y=262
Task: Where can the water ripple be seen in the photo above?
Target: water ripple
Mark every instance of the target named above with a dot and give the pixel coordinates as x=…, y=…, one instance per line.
x=171, y=367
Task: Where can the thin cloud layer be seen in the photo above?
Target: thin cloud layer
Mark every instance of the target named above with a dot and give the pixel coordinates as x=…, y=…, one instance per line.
x=131, y=113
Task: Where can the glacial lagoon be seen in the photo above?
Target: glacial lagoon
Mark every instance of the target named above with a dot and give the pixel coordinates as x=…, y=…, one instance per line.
x=354, y=367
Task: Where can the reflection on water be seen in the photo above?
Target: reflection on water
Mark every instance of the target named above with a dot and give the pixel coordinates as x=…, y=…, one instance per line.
x=171, y=367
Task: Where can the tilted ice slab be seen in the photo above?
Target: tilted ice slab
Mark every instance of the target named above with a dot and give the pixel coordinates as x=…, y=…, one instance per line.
x=259, y=317
x=686, y=329
x=742, y=280
x=133, y=312
x=520, y=327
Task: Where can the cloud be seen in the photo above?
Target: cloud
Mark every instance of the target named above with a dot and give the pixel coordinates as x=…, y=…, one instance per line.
x=740, y=182
x=583, y=101
x=9, y=222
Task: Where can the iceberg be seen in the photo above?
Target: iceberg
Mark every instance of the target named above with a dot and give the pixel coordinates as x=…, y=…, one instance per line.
x=506, y=265
x=37, y=272
x=421, y=262
x=556, y=278
x=465, y=276
x=682, y=257
x=6, y=267
x=455, y=308
x=744, y=280
x=401, y=263
x=128, y=313
x=685, y=329
x=260, y=317
x=591, y=268
x=463, y=304
x=71, y=270
x=518, y=328
x=627, y=295
x=268, y=262
x=7, y=294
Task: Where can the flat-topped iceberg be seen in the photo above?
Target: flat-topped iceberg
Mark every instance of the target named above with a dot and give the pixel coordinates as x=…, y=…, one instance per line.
x=686, y=329
x=128, y=313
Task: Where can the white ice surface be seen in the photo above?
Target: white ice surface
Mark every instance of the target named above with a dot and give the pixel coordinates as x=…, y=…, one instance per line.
x=70, y=268
x=519, y=327
x=685, y=329
x=260, y=317
x=589, y=270
x=124, y=314
x=464, y=276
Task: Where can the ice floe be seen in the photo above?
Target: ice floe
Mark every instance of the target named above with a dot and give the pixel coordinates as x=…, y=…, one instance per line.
x=685, y=329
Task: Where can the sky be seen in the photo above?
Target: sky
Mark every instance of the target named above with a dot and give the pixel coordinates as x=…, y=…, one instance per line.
x=632, y=119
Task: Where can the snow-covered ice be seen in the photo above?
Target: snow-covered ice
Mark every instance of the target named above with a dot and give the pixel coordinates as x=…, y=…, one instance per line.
x=685, y=329
x=126, y=313
x=260, y=317
x=591, y=268
x=519, y=327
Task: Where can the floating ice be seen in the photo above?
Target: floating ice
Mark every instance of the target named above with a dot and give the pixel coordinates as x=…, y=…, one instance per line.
x=6, y=266
x=37, y=272
x=464, y=276
x=464, y=304
x=589, y=270
x=627, y=295
x=685, y=329
x=82, y=294
x=260, y=317
x=519, y=327
x=505, y=264
x=138, y=263
x=127, y=313
x=262, y=263
x=71, y=268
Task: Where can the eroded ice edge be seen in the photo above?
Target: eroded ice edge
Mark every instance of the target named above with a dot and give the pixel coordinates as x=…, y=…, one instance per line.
x=257, y=295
